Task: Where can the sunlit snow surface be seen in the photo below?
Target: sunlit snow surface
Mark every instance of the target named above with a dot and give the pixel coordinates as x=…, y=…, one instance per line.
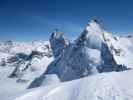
x=106, y=86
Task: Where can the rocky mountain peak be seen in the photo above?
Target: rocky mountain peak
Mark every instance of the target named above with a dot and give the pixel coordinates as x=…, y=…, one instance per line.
x=58, y=43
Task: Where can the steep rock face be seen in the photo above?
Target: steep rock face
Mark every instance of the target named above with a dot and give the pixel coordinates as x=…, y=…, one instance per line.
x=109, y=63
x=90, y=53
x=58, y=43
x=78, y=59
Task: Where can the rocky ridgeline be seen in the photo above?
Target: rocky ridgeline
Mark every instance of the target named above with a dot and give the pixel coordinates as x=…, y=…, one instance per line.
x=92, y=52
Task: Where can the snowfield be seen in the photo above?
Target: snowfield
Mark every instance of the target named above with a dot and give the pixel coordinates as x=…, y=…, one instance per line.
x=9, y=86
x=105, y=86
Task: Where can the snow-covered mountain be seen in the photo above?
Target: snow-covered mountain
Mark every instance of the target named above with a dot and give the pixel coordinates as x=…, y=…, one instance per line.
x=96, y=64
x=94, y=51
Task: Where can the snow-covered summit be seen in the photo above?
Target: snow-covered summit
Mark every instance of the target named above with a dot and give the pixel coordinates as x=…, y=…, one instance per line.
x=94, y=26
x=91, y=36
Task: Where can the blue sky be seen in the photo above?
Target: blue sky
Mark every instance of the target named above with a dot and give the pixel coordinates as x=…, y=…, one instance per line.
x=27, y=20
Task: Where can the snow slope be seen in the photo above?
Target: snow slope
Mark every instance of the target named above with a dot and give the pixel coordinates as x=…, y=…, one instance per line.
x=126, y=56
x=9, y=86
x=25, y=60
x=105, y=86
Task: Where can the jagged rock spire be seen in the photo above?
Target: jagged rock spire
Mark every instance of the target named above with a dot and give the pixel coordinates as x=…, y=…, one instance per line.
x=93, y=25
x=93, y=20
x=58, y=43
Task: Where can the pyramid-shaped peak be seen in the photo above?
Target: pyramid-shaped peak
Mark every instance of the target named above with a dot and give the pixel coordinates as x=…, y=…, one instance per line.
x=93, y=23
x=94, y=20
x=93, y=26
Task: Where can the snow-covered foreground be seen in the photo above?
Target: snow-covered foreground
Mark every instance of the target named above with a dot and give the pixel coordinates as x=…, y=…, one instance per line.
x=105, y=86
x=9, y=86
x=12, y=86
